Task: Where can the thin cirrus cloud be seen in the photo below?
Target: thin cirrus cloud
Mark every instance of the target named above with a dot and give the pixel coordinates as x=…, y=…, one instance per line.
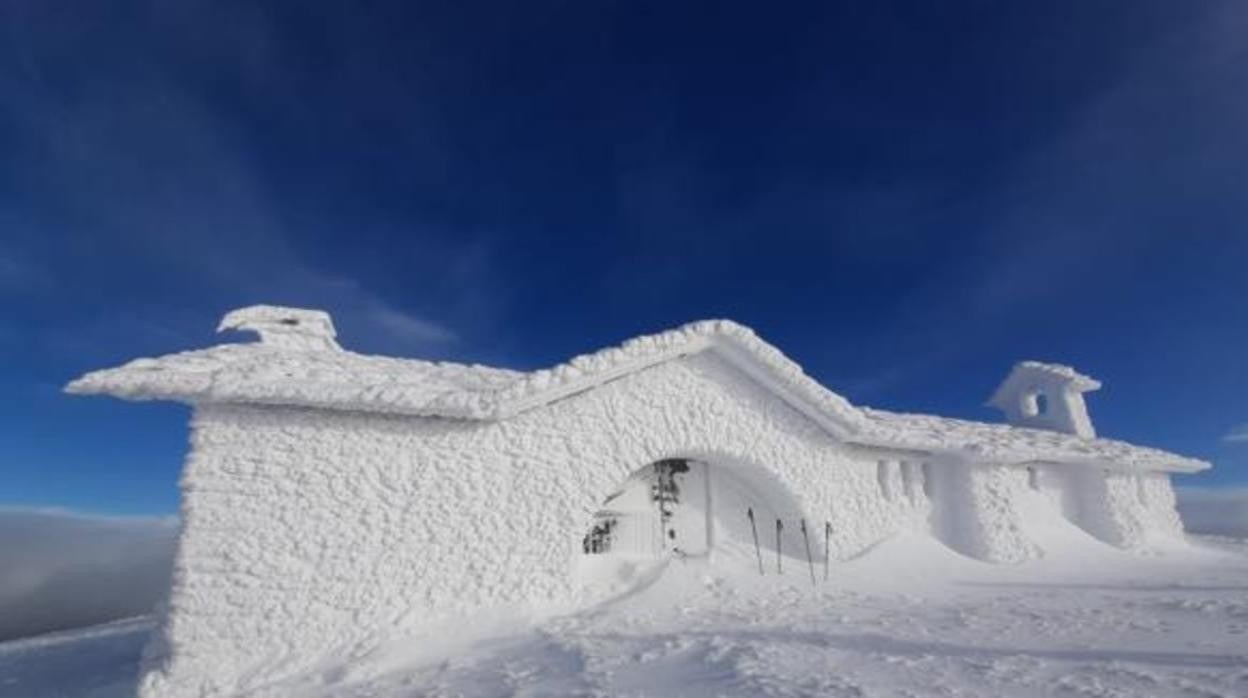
x=1237, y=434
x=408, y=326
x=166, y=178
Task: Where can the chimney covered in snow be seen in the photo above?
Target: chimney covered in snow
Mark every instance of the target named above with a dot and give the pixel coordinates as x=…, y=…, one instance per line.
x=284, y=328
x=1046, y=396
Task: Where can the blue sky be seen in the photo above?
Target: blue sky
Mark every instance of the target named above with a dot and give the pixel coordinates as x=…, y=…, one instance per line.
x=904, y=197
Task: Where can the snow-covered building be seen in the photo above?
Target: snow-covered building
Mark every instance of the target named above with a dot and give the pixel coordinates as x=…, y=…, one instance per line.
x=332, y=498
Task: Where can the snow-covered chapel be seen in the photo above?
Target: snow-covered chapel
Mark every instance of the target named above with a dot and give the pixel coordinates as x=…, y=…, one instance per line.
x=330, y=498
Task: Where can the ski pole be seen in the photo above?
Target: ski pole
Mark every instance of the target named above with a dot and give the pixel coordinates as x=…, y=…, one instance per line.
x=658, y=500
x=757, y=550
x=809, y=561
x=779, y=528
x=827, y=534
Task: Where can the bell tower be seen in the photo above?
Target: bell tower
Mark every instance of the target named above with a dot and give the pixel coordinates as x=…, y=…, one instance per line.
x=1046, y=396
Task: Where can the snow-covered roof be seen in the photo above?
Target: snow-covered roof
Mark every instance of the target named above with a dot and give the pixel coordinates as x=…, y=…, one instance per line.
x=1003, y=443
x=331, y=378
x=298, y=363
x=261, y=374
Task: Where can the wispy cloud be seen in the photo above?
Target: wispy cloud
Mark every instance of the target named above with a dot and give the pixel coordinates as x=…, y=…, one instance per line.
x=64, y=569
x=1237, y=434
x=408, y=326
x=1074, y=210
x=150, y=171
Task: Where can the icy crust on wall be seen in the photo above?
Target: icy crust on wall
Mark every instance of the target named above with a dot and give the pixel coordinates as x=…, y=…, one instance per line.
x=983, y=512
x=288, y=369
x=978, y=513
x=1127, y=510
x=310, y=532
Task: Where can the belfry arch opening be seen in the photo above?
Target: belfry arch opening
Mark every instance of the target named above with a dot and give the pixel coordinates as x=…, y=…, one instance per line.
x=696, y=508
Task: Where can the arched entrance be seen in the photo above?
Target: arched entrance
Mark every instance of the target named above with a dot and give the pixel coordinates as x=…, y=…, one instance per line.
x=694, y=508
x=661, y=509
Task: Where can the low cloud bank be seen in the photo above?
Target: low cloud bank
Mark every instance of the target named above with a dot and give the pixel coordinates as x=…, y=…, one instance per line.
x=1220, y=511
x=63, y=570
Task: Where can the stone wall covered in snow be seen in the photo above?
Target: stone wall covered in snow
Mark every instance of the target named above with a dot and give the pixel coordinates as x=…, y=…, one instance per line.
x=334, y=501
x=1126, y=509
x=978, y=513
x=310, y=532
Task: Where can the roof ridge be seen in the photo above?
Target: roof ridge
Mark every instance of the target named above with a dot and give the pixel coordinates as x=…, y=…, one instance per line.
x=740, y=345
x=261, y=373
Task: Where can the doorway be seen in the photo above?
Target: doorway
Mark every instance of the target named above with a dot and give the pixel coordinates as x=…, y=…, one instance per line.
x=663, y=509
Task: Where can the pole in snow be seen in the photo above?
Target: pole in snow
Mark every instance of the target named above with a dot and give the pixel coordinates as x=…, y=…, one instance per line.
x=827, y=534
x=658, y=500
x=809, y=561
x=757, y=550
x=779, y=528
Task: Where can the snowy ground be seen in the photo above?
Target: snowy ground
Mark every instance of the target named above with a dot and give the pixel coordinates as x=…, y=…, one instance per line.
x=97, y=662
x=909, y=618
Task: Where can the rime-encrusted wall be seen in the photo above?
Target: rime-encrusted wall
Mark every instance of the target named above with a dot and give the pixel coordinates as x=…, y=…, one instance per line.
x=1126, y=509
x=976, y=512
x=309, y=532
x=333, y=500
x=1156, y=494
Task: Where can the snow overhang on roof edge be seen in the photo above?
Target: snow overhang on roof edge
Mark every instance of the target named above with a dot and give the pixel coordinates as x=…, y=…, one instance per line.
x=283, y=373
x=968, y=456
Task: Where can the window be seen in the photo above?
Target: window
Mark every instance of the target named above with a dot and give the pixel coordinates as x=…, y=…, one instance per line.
x=1035, y=404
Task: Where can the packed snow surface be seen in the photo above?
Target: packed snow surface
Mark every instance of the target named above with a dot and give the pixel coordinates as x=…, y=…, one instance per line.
x=304, y=367
x=907, y=618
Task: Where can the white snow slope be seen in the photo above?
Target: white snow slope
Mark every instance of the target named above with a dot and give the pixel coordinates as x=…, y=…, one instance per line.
x=908, y=618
